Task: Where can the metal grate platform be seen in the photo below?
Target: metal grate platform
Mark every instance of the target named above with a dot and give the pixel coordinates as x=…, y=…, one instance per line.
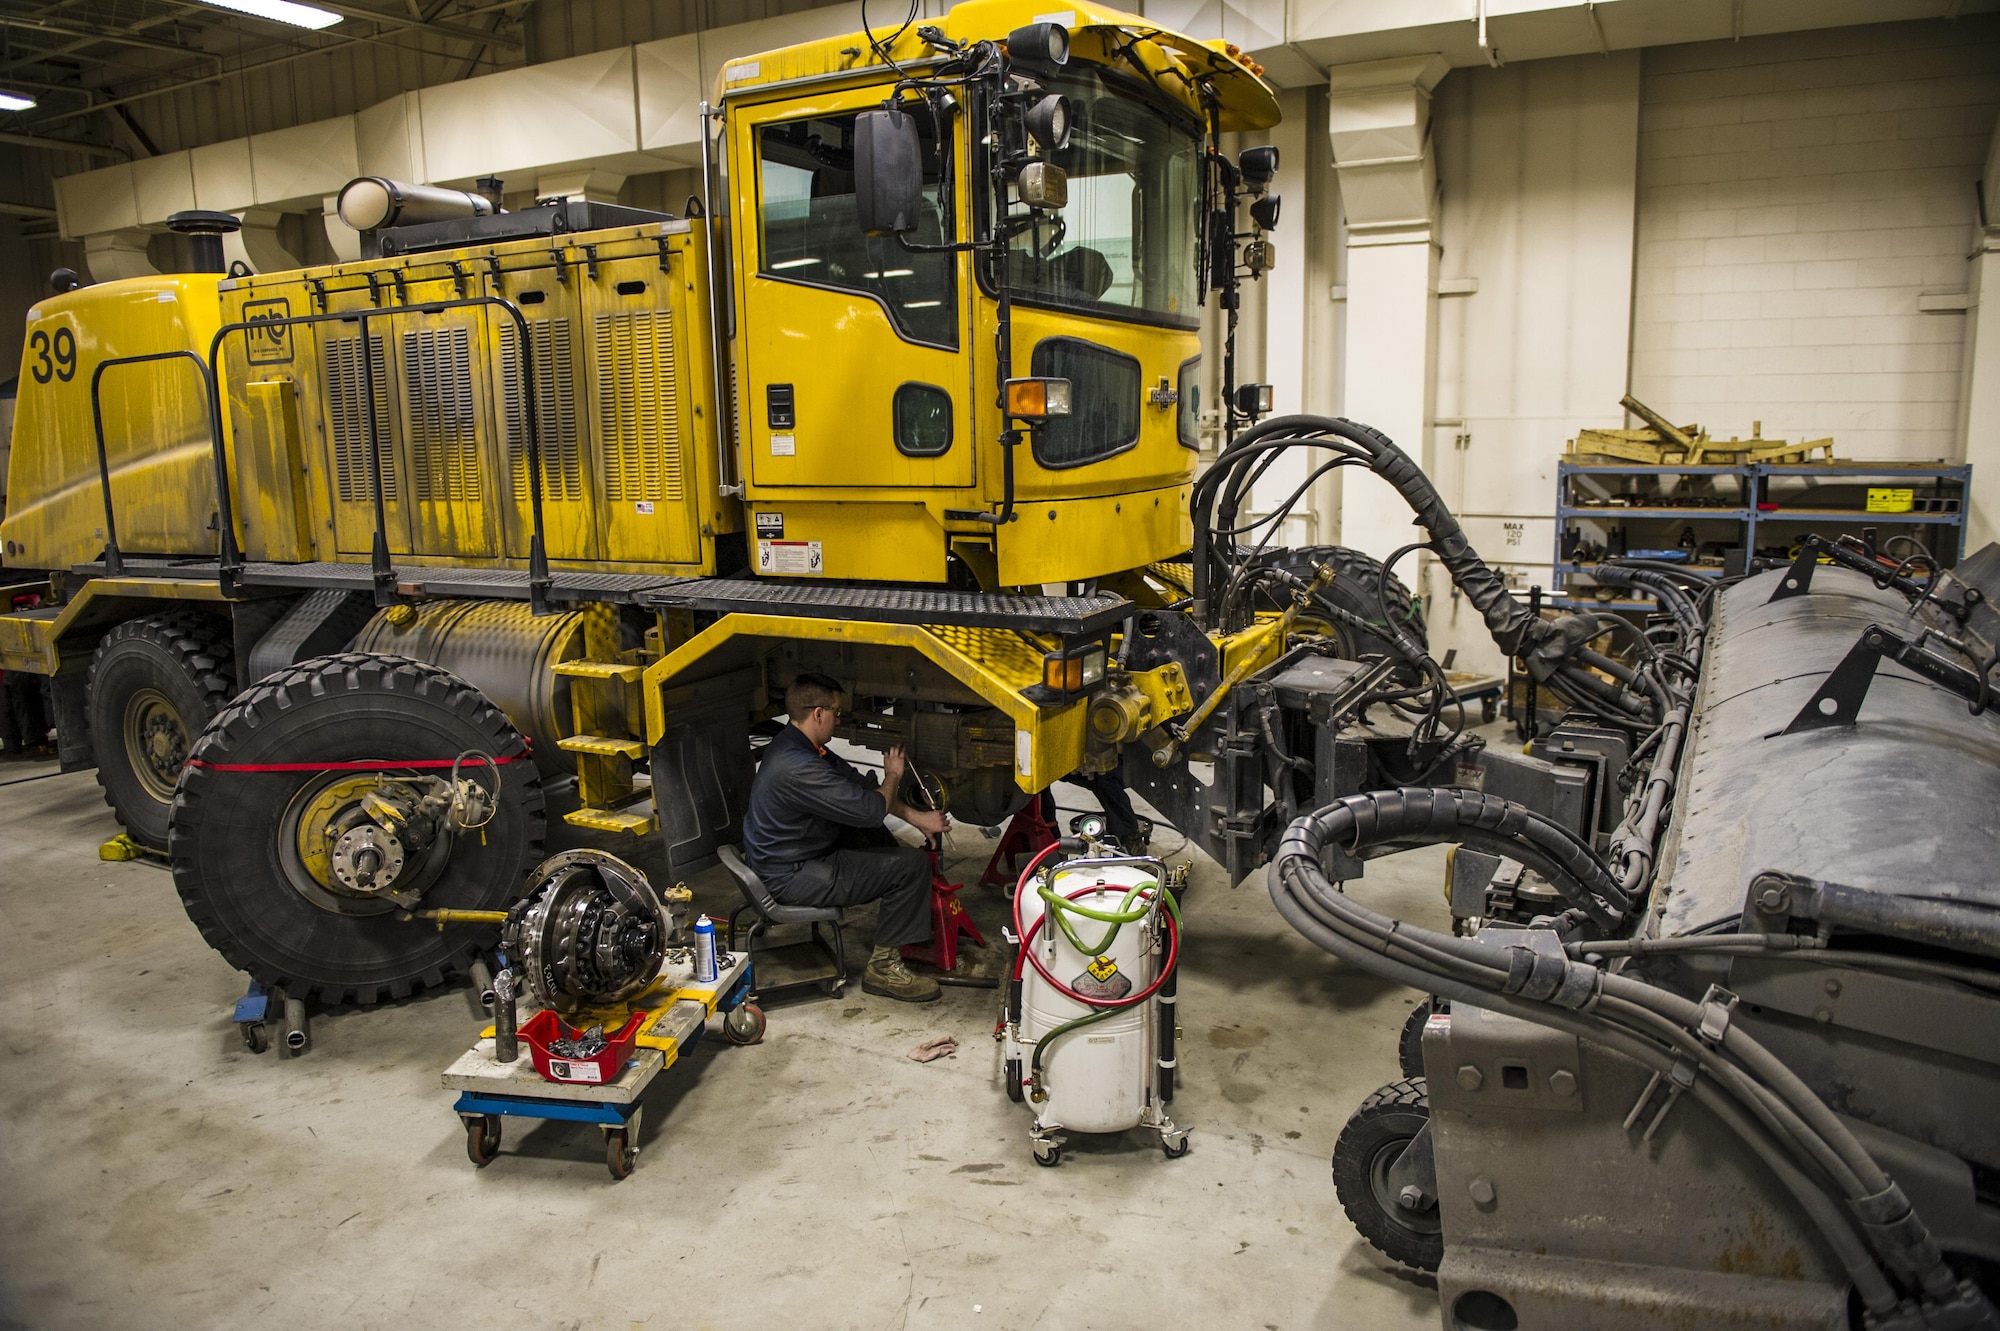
x=1065, y=616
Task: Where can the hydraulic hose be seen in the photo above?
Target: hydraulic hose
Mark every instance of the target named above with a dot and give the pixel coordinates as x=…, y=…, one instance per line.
x=1429, y=815
x=1512, y=627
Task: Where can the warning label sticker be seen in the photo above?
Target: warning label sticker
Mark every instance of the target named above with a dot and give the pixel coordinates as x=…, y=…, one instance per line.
x=1102, y=979
x=771, y=526
x=789, y=557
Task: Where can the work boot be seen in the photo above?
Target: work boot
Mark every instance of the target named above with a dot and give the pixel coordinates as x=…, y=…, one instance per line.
x=888, y=976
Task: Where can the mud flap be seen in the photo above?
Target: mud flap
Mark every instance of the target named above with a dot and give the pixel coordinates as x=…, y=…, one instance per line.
x=701, y=770
x=72, y=694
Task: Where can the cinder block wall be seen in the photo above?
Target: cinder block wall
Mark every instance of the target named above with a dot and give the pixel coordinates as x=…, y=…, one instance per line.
x=1797, y=194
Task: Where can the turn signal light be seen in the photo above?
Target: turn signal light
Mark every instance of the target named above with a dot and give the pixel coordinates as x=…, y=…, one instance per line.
x=1075, y=671
x=1037, y=399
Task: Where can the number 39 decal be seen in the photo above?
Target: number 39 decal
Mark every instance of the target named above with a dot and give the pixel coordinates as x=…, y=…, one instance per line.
x=54, y=358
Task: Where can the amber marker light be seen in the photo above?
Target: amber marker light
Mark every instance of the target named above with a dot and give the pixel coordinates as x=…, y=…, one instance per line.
x=1037, y=399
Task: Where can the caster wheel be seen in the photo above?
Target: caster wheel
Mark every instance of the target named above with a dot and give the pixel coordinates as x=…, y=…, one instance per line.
x=1050, y=1158
x=255, y=1038
x=1173, y=1150
x=744, y=1025
x=1369, y=1147
x=1489, y=710
x=619, y=1156
x=482, y=1139
x=1410, y=1044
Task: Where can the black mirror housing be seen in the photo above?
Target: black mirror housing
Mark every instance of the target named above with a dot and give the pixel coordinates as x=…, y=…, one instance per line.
x=888, y=172
x=1264, y=212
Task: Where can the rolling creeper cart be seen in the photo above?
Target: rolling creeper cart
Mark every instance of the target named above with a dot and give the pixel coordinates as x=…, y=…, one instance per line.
x=645, y=1037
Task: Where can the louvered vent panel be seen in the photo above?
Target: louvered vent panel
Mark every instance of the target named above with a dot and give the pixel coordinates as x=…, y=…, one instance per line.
x=639, y=409
x=443, y=423
x=345, y=394
x=555, y=409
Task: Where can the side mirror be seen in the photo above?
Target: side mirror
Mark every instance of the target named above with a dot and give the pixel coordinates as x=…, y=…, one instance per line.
x=888, y=172
x=1264, y=212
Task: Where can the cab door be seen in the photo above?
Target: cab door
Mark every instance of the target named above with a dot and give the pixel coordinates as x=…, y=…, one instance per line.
x=852, y=344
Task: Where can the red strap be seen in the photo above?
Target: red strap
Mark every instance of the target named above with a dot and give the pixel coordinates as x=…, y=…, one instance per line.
x=379, y=766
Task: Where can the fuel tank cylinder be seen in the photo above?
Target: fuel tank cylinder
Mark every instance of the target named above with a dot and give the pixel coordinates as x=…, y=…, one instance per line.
x=500, y=648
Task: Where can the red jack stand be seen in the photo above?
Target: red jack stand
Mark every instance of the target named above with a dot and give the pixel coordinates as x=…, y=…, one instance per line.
x=1027, y=833
x=948, y=920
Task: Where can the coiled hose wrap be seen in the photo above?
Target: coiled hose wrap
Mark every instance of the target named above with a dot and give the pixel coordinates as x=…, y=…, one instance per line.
x=1868, y=1225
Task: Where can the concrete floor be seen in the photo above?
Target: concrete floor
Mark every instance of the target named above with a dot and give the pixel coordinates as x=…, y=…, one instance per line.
x=158, y=1174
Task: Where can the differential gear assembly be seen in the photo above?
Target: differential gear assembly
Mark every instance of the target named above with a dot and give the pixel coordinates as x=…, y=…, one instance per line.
x=590, y=931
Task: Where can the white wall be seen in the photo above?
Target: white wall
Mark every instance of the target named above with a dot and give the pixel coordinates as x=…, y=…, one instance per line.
x=1536, y=166
x=1798, y=193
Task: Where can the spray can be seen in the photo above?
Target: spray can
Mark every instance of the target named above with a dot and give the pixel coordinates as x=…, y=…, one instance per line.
x=704, y=951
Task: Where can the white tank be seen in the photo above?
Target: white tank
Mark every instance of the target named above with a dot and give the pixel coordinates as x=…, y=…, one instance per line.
x=1102, y=1077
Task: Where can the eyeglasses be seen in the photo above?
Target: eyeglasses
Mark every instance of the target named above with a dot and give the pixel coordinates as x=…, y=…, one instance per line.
x=838, y=714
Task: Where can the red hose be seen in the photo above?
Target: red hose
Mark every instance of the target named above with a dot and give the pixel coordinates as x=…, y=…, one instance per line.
x=1028, y=933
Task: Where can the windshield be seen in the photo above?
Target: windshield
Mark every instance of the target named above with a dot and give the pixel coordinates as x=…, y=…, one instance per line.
x=1125, y=243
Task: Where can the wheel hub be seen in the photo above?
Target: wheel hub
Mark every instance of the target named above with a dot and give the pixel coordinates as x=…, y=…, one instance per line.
x=1408, y=1206
x=340, y=854
x=156, y=742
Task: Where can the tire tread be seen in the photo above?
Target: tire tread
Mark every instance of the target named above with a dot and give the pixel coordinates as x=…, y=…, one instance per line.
x=259, y=706
x=206, y=653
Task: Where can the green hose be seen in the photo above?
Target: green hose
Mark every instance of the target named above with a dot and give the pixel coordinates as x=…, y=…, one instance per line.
x=1059, y=907
x=1036, y=1092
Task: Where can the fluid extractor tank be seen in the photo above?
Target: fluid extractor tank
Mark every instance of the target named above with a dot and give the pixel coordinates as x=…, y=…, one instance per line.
x=1091, y=1026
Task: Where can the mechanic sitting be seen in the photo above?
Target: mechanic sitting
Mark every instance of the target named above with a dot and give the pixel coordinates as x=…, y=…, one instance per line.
x=814, y=834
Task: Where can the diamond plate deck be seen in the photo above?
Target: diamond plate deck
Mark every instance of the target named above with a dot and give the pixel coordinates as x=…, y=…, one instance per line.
x=1065, y=616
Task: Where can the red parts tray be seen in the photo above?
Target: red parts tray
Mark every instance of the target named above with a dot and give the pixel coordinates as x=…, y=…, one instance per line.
x=545, y=1028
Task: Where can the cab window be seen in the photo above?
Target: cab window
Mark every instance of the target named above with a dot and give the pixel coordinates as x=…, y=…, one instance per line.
x=810, y=235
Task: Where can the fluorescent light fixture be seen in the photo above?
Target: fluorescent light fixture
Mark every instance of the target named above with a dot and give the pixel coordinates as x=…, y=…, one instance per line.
x=888, y=272
x=15, y=101
x=921, y=304
x=282, y=11
x=794, y=263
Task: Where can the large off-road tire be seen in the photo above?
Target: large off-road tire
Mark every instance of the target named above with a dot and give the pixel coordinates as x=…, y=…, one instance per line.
x=155, y=684
x=236, y=833
x=1360, y=586
x=1374, y=1138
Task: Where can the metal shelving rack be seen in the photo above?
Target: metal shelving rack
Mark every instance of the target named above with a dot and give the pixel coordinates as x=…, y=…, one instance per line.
x=1948, y=482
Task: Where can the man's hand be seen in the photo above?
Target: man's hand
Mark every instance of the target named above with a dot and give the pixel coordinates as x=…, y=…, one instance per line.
x=931, y=822
x=892, y=767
